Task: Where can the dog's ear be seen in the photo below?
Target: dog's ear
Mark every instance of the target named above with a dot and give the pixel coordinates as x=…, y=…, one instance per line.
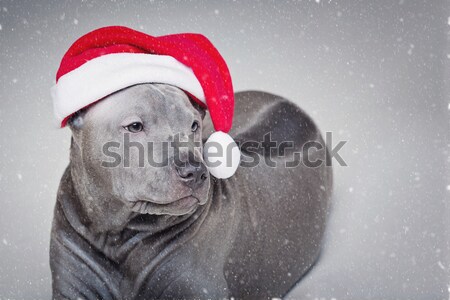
x=75, y=123
x=76, y=120
x=198, y=107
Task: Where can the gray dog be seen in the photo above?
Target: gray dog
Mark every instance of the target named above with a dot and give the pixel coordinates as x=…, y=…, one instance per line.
x=173, y=231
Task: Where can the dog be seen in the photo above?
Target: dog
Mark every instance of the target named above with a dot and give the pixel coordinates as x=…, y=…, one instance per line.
x=174, y=231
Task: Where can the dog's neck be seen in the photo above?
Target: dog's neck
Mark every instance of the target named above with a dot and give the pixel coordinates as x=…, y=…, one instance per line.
x=106, y=222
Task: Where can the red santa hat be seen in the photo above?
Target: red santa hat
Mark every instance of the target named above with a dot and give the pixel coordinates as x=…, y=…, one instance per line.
x=112, y=58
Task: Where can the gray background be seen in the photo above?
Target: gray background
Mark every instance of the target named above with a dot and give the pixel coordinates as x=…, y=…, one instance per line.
x=372, y=72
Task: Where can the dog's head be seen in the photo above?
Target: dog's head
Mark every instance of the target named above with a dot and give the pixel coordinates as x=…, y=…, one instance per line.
x=142, y=146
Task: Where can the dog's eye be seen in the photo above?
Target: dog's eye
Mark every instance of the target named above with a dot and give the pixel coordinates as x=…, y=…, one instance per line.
x=134, y=127
x=194, y=126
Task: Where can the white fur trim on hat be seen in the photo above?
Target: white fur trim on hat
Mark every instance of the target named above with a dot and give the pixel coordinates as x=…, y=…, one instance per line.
x=109, y=73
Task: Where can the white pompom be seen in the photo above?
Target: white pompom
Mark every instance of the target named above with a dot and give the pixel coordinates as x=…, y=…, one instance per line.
x=221, y=155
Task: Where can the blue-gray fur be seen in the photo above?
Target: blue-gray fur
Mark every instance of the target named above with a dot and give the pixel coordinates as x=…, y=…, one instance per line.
x=252, y=236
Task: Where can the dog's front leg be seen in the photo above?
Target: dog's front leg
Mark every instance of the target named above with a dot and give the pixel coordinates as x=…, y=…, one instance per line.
x=77, y=274
x=197, y=285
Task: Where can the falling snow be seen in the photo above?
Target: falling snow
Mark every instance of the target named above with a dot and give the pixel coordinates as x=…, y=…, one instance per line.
x=410, y=50
x=365, y=72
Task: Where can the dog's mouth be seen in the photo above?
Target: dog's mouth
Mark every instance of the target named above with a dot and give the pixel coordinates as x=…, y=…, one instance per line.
x=179, y=207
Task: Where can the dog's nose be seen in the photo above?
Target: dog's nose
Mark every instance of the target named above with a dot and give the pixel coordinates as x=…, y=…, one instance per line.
x=193, y=175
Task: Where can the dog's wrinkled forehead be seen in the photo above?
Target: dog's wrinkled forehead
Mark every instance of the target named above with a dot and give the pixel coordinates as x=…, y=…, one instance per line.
x=151, y=102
